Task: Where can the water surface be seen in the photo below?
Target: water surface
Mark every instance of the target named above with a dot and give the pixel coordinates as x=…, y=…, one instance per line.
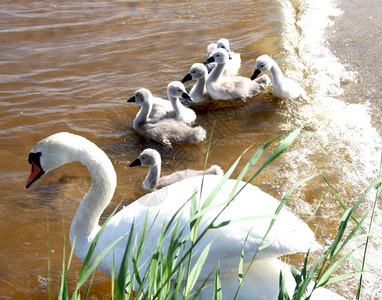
x=71, y=66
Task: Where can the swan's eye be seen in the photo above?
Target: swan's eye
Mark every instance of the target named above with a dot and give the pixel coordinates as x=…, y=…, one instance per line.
x=193, y=72
x=262, y=66
x=179, y=91
x=218, y=55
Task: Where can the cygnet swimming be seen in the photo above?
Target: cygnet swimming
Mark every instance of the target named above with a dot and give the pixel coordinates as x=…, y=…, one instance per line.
x=199, y=73
x=165, y=131
x=221, y=87
x=172, y=109
x=233, y=65
x=152, y=159
x=176, y=90
x=283, y=87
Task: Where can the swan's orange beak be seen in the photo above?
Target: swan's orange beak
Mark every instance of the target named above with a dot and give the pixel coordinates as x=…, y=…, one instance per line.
x=36, y=171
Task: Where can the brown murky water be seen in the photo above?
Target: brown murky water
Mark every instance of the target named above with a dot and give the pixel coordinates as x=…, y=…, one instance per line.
x=71, y=66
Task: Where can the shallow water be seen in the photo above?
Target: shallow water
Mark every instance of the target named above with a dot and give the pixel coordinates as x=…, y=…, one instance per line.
x=71, y=67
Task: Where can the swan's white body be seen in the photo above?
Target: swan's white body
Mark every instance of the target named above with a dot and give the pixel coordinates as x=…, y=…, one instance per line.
x=289, y=234
x=152, y=159
x=234, y=62
x=221, y=87
x=172, y=109
x=165, y=131
x=282, y=87
x=199, y=73
x=262, y=283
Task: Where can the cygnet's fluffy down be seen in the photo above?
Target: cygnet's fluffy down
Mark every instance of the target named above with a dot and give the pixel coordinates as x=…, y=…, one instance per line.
x=199, y=73
x=172, y=108
x=221, y=87
x=233, y=65
x=176, y=90
x=152, y=159
x=164, y=131
x=283, y=87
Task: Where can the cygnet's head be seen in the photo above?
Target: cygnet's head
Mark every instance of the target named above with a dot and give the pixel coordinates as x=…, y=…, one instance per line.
x=219, y=56
x=176, y=89
x=263, y=63
x=149, y=158
x=196, y=72
x=141, y=97
x=224, y=44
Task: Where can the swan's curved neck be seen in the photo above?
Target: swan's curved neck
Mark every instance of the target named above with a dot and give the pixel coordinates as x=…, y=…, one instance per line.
x=216, y=72
x=277, y=75
x=143, y=114
x=176, y=105
x=104, y=180
x=152, y=177
x=200, y=87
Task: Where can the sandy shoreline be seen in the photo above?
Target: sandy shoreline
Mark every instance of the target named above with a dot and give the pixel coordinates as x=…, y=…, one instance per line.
x=357, y=41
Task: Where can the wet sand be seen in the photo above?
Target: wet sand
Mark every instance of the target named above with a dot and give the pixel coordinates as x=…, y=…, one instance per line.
x=357, y=41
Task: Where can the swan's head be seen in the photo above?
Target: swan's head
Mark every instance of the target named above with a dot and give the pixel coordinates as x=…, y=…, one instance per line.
x=224, y=44
x=196, y=72
x=176, y=89
x=148, y=157
x=141, y=97
x=219, y=56
x=263, y=64
x=52, y=152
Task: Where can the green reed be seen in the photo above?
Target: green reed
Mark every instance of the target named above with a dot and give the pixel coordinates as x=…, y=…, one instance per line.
x=175, y=264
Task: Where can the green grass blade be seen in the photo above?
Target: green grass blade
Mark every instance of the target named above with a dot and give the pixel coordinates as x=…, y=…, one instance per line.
x=285, y=144
x=358, y=296
x=252, y=162
x=195, y=272
x=48, y=248
x=283, y=293
x=124, y=267
x=218, y=293
x=339, y=200
x=63, y=293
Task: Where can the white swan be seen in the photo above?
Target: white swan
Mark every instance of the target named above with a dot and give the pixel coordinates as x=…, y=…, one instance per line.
x=152, y=159
x=221, y=87
x=234, y=62
x=289, y=234
x=164, y=131
x=283, y=87
x=199, y=73
x=172, y=109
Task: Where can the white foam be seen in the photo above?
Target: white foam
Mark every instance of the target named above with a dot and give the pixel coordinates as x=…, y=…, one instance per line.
x=345, y=142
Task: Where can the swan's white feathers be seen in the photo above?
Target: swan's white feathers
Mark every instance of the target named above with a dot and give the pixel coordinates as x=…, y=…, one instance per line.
x=290, y=234
x=233, y=65
x=222, y=87
x=282, y=87
x=165, y=131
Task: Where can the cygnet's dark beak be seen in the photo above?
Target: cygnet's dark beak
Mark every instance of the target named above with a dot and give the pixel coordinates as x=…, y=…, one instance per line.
x=135, y=163
x=187, y=97
x=132, y=99
x=229, y=52
x=209, y=60
x=186, y=78
x=255, y=74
